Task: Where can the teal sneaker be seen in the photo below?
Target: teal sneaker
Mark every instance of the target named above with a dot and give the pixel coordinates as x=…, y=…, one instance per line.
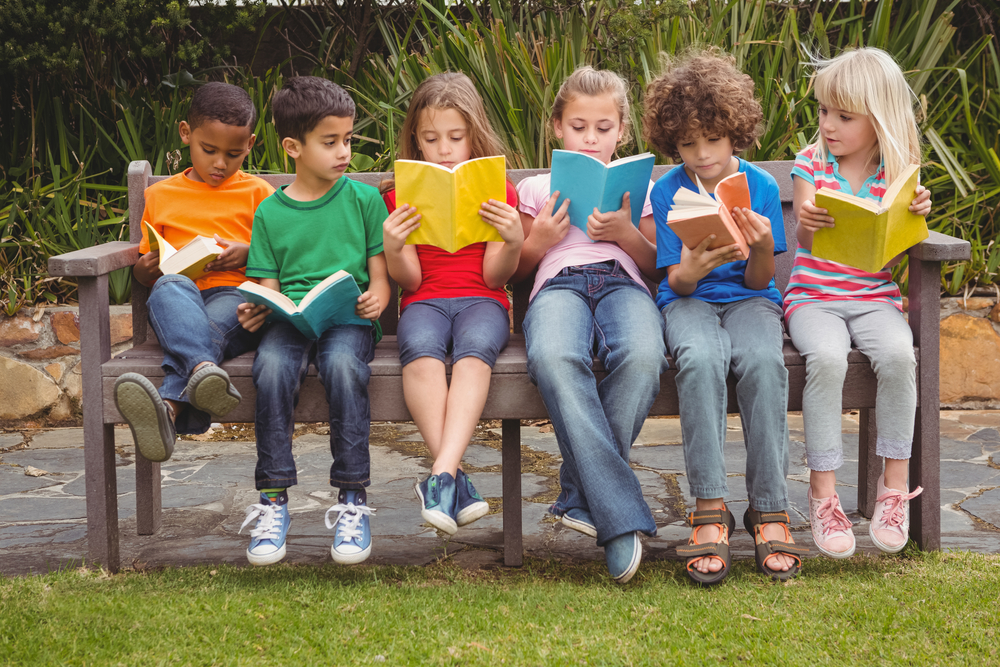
x=470, y=505
x=438, y=496
x=352, y=541
x=267, y=538
x=623, y=555
x=579, y=520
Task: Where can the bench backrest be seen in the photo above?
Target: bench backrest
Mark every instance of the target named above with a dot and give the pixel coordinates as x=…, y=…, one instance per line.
x=140, y=177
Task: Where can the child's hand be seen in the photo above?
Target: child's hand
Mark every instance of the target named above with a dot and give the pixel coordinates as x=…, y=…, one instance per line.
x=613, y=225
x=233, y=257
x=368, y=306
x=549, y=228
x=147, y=269
x=813, y=218
x=251, y=316
x=505, y=219
x=922, y=204
x=701, y=261
x=399, y=225
x=756, y=229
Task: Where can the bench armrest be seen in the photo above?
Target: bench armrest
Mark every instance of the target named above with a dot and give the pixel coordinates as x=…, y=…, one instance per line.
x=96, y=261
x=941, y=248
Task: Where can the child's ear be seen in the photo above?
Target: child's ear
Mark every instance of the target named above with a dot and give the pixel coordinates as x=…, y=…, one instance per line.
x=253, y=140
x=557, y=127
x=185, y=131
x=292, y=147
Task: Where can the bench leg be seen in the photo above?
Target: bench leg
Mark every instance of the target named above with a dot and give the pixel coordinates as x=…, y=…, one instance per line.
x=98, y=437
x=513, y=550
x=147, y=495
x=869, y=463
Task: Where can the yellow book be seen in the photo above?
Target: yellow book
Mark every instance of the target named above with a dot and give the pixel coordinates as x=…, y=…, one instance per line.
x=188, y=261
x=448, y=200
x=868, y=234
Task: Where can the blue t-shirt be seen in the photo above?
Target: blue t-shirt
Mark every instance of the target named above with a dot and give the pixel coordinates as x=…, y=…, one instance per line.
x=725, y=283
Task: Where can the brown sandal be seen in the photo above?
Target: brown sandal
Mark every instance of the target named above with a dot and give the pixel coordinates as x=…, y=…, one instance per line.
x=719, y=550
x=754, y=522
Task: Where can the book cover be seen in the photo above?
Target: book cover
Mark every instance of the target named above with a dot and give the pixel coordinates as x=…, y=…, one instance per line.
x=588, y=183
x=329, y=303
x=868, y=234
x=188, y=261
x=448, y=200
x=695, y=215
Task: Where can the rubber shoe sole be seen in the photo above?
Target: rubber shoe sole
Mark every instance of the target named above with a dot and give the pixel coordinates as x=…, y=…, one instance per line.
x=144, y=411
x=473, y=512
x=579, y=526
x=266, y=559
x=439, y=520
x=883, y=547
x=210, y=390
x=350, y=559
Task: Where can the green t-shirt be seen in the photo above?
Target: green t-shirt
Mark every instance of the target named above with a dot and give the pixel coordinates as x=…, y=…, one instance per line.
x=302, y=243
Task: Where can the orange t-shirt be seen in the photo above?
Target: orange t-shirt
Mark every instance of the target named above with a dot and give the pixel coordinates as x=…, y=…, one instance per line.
x=180, y=209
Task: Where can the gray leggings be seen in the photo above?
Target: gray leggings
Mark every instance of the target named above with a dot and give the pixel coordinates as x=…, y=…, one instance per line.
x=823, y=333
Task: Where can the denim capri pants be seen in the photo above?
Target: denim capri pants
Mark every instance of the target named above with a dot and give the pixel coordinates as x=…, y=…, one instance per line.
x=468, y=326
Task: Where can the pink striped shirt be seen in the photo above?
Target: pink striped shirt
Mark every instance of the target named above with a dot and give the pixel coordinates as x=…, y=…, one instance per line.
x=815, y=279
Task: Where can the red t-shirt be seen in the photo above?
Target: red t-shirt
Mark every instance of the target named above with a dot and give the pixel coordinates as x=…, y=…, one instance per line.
x=447, y=275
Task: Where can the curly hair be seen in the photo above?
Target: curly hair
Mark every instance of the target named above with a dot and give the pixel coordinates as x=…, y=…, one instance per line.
x=703, y=92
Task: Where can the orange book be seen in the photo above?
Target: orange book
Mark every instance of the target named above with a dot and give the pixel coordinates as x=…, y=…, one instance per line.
x=695, y=215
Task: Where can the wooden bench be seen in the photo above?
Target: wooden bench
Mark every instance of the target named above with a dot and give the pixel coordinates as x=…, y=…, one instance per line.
x=512, y=396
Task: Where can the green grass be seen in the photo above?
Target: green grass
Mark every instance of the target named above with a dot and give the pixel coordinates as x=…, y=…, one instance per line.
x=920, y=609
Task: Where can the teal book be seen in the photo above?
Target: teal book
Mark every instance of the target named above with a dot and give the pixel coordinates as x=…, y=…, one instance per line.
x=588, y=183
x=329, y=303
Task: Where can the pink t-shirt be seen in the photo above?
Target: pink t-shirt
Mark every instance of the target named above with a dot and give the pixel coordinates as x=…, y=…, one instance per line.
x=576, y=248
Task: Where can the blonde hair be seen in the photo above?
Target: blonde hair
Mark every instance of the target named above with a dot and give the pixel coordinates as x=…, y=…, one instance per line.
x=594, y=82
x=868, y=81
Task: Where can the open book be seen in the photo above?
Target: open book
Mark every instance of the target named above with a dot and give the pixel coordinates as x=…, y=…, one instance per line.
x=867, y=234
x=328, y=303
x=588, y=183
x=448, y=200
x=190, y=260
x=695, y=215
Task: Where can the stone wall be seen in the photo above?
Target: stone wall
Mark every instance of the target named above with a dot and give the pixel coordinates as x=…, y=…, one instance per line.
x=40, y=380
x=970, y=351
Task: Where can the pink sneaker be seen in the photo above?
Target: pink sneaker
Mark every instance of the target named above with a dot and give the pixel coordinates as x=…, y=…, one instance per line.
x=831, y=529
x=890, y=526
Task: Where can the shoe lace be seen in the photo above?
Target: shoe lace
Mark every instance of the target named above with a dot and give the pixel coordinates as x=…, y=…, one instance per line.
x=268, y=521
x=832, y=516
x=892, y=513
x=348, y=519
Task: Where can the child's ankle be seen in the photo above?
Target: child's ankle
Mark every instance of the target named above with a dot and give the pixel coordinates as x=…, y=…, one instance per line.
x=823, y=483
x=172, y=409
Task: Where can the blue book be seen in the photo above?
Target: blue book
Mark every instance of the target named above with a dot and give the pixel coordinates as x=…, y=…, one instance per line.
x=588, y=183
x=329, y=303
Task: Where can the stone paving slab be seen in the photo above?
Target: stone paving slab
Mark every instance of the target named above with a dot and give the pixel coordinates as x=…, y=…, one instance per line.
x=207, y=487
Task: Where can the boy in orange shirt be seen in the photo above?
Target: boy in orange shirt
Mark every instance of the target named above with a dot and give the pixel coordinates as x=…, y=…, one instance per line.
x=196, y=321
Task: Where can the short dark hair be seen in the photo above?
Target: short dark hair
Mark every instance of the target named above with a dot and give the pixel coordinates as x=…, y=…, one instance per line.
x=304, y=102
x=224, y=102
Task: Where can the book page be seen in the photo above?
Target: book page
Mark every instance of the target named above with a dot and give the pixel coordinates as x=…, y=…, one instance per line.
x=476, y=182
x=259, y=295
x=156, y=242
x=734, y=191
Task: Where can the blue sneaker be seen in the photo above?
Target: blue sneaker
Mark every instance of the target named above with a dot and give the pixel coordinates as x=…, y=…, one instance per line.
x=267, y=539
x=623, y=555
x=352, y=541
x=579, y=520
x=438, y=496
x=470, y=505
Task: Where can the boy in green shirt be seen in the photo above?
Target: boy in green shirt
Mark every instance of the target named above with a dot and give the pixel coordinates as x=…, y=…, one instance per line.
x=319, y=224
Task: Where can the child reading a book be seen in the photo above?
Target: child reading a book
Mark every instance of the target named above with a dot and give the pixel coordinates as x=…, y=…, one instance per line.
x=452, y=302
x=867, y=137
x=590, y=296
x=195, y=320
x=722, y=313
x=320, y=223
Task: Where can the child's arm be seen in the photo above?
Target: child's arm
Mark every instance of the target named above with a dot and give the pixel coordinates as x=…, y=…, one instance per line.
x=696, y=264
x=639, y=243
x=147, y=269
x=807, y=215
x=501, y=259
x=376, y=297
x=541, y=233
x=756, y=231
x=233, y=257
x=252, y=317
x=401, y=259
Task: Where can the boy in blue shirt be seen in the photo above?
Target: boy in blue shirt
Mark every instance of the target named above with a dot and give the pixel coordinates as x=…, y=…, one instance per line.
x=319, y=224
x=722, y=313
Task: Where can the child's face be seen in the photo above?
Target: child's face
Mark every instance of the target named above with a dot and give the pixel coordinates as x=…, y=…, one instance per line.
x=710, y=156
x=590, y=125
x=443, y=137
x=326, y=152
x=846, y=133
x=217, y=149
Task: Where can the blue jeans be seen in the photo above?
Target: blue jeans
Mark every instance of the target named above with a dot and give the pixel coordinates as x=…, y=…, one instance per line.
x=597, y=305
x=707, y=340
x=194, y=326
x=341, y=355
x=468, y=326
